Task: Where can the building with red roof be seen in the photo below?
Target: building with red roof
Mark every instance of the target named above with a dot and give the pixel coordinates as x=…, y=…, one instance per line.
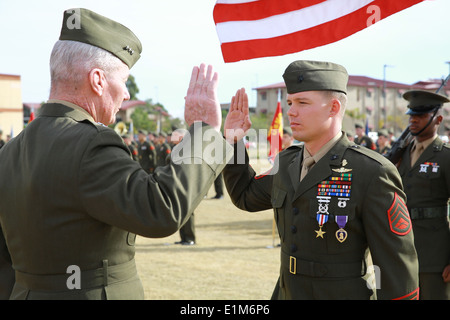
x=376, y=102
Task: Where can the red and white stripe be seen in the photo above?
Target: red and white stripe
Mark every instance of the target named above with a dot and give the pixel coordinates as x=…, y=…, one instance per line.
x=259, y=28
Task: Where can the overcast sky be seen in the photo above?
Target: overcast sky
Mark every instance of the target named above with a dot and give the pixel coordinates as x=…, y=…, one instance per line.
x=178, y=34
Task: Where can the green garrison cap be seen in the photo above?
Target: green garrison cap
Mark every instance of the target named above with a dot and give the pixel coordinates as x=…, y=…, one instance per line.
x=89, y=27
x=423, y=101
x=383, y=132
x=305, y=75
x=359, y=124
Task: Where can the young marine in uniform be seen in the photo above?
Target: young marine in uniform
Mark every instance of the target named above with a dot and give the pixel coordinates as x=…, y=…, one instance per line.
x=332, y=199
x=146, y=152
x=425, y=171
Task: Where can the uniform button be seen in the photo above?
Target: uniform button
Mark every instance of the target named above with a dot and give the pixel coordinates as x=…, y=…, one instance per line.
x=295, y=210
x=293, y=229
x=293, y=248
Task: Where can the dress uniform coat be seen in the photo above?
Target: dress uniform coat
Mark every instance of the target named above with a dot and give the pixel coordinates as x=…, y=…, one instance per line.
x=426, y=185
x=371, y=215
x=74, y=197
x=134, y=152
x=147, y=156
x=365, y=141
x=163, y=151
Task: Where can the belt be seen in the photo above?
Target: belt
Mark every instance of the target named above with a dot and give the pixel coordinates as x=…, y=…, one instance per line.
x=428, y=213
x=322, y=269
x=88, y=278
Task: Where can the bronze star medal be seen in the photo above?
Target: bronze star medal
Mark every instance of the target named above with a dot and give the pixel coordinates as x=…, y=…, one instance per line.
x=336, y=186
x=319, y=232
x=322, y=214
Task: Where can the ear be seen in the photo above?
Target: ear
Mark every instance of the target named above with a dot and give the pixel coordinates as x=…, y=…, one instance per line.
x=335, y=107
x=439, y=119
x=97, y=81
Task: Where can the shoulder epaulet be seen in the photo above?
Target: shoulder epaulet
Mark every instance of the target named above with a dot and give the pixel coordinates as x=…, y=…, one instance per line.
x=369, y=153
x=439, y=145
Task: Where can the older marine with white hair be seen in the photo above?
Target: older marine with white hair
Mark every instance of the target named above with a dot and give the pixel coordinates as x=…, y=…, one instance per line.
x=73, y=199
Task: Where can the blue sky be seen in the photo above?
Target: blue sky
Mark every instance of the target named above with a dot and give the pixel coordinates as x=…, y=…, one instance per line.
x=178, y=34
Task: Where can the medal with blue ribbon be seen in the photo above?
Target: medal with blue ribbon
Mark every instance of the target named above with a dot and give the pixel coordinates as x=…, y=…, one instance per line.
x=336, y=186
x=321, y=219
x=322, y=214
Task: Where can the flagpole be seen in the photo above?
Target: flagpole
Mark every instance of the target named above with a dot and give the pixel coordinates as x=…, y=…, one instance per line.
x=277, y=115
x=274, y=225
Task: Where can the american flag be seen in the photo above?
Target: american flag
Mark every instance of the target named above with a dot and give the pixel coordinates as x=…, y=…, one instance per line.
x=250, y=29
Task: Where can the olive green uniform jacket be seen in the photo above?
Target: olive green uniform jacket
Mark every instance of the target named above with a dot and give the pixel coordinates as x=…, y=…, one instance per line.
x=147, y=156
x=427, y=187
x=326, y=268
x=162, y=152
x=365, y=141
x=72, y=197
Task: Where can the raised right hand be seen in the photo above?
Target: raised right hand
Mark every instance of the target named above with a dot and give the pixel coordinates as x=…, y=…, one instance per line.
x=201, y=102
x=238, y=121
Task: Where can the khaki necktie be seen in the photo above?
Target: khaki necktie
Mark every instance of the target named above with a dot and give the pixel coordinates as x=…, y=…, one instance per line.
x=416, y=151
x=307, y=164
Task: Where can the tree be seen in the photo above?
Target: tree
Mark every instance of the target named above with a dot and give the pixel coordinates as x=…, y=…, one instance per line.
x=132, y=87
x=146, y=117
x=141, y=120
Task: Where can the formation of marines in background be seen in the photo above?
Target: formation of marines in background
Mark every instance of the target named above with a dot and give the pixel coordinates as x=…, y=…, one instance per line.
x=341, y=206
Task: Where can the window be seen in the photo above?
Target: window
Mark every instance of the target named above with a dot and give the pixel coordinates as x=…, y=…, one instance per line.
x=263, y=95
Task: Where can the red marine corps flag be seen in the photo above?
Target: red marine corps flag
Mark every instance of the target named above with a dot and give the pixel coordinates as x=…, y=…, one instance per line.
x=250, y=29
x=275, y=133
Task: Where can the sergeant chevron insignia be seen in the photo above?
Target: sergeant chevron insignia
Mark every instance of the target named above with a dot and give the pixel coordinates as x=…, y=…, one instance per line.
x=399, y=220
